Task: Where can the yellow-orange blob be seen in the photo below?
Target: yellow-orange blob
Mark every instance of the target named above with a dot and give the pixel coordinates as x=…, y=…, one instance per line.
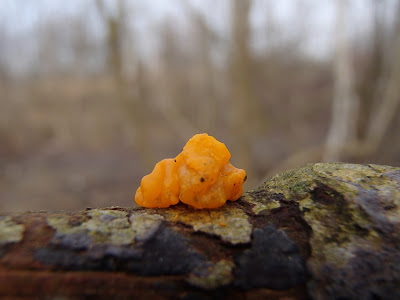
x=200, y=176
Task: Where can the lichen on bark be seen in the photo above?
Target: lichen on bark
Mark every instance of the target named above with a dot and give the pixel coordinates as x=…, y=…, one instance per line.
x=354, y=213
x=228, y=223
x=10, y=233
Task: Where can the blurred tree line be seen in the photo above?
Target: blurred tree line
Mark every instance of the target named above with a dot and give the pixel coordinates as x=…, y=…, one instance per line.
x=91, y=86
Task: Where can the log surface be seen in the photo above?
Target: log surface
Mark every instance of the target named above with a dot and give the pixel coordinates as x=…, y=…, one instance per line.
x=323, y=231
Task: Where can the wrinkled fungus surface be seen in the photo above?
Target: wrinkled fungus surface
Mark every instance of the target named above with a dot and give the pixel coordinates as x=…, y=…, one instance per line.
x=200, y=176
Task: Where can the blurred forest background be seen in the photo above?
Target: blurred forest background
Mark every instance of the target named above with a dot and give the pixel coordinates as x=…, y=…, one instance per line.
x=93, y=93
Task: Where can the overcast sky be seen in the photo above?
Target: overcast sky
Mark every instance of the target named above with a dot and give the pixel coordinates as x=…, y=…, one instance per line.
x=19, y=18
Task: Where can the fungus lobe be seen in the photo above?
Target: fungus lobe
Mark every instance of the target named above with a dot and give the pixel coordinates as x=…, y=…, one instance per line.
x=200, y=176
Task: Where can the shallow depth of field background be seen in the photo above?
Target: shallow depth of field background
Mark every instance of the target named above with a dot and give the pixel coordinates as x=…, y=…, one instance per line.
x=93, y=93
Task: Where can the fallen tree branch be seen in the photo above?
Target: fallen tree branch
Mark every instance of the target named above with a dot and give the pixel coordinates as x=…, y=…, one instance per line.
x=283, y=239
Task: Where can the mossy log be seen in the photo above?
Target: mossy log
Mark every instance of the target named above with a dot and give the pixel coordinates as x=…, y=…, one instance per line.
x=322, y=231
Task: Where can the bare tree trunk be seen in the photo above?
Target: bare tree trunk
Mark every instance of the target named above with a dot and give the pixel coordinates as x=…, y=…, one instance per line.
x=372, y=68
x=387, y=101
x=134, y=104
x=206, y=107
x=345, y=102
x=242, y=97
x=174, y=77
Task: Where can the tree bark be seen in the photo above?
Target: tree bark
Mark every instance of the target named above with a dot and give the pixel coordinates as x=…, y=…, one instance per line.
x=280, y=240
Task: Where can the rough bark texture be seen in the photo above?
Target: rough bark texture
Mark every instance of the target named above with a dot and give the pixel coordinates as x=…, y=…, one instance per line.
x=325, y=231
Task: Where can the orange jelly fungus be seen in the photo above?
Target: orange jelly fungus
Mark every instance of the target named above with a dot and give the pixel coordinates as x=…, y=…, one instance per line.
x=200, y=176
